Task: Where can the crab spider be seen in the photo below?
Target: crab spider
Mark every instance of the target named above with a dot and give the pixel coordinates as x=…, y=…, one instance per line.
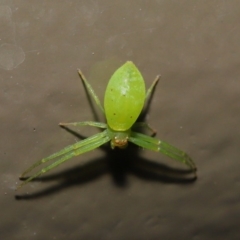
x=124, y=100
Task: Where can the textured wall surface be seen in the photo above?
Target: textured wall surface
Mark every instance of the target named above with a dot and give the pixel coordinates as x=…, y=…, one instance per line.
x=130, y=194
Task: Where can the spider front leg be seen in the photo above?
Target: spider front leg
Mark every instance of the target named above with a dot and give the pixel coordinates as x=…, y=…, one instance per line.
x=65, y=154
x=165, y=148
x=149, y=91
x=87, y=123
x=90, y=90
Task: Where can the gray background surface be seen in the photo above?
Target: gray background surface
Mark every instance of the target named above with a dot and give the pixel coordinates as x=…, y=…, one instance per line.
x=131, y=194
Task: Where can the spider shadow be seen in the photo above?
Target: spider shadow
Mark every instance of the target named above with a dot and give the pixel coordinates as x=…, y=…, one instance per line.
x=119, y=163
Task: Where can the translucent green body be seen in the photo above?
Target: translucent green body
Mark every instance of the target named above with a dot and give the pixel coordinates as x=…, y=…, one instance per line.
x=124, y=97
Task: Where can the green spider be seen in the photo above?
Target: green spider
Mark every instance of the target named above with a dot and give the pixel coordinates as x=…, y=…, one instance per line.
x=124, y=100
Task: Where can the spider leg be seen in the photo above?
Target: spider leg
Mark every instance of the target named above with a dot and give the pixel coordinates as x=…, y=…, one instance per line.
x=148, y=97
x=165, y=148
x=87, y=123
x=66, y=150
x=90, y=90
x=144, y=125
x=149, y=91
x=65, y=154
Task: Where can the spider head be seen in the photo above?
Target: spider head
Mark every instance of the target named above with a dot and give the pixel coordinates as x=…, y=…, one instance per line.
x=119, y=138
x=119, y=142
